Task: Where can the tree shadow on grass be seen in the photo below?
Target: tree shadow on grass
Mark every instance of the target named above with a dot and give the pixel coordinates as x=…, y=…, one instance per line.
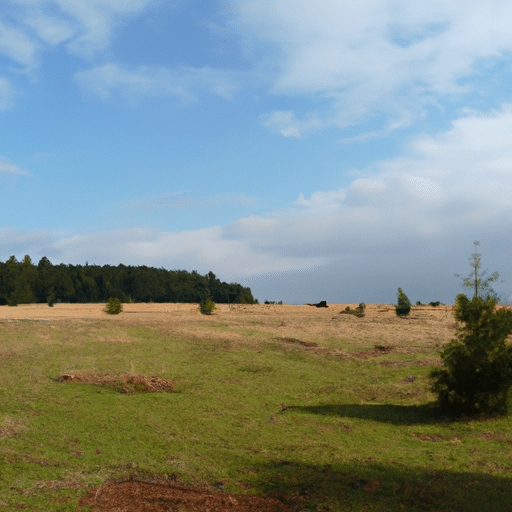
x=387, y=413
x=370, y=485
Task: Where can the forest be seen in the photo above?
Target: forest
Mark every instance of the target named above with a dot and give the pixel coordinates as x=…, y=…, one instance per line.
x=22, y=282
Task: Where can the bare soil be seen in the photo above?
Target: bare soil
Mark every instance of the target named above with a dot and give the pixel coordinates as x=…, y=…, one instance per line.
x=136, y=496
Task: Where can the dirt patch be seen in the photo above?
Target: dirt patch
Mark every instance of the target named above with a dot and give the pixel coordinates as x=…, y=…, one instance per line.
x=298, y=342
x=425, y=437
x=363, y=354
x=159, y=497
x=423, y=362
x=124, y=383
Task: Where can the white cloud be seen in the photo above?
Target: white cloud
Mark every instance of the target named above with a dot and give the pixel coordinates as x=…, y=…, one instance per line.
x=287, y=124
x=368, y=185
x=202, y=250
x=156, y=82
x=322, y=201
x=359, y=56
x=52, y=30
x=16, y=243
x=84, y=26
x=17, y=45
x=7, y=167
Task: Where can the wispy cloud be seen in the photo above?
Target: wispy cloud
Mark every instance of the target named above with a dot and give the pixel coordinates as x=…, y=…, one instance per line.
x=7, y=167
x=17, y=45
x=354, y=59
x=157, y=82
x=286, y=123
x=84, y=26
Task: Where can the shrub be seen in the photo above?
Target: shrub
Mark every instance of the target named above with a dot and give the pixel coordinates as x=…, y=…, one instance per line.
x=51, y=299
x=359, y=311
x=403, y=306
x=434, y=304
x=114, y=306
x=207, y=306
x=477, y=366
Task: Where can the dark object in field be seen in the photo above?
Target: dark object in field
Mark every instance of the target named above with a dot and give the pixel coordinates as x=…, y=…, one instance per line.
x=359, y=311
x=321, y=304
x=383, y=348
x=298, y=342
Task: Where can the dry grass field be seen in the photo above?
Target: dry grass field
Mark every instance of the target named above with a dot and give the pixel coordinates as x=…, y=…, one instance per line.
x=270, y=407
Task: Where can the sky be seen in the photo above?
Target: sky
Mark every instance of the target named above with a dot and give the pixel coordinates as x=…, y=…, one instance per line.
x=309, y=149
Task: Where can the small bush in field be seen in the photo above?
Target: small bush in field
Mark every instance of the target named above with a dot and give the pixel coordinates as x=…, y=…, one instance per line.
x=477, y=366
x=207, y=306
x=359, y=311
x=51, y=299
x=114, y=306
x=403, y=306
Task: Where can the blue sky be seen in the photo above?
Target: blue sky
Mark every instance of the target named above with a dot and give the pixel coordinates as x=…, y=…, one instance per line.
x=312, y=150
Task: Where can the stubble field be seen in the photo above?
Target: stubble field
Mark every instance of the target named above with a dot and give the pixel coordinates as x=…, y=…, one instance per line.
x=257, y=407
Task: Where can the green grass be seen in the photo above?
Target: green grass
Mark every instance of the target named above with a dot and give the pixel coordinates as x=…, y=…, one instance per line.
x=358, y=438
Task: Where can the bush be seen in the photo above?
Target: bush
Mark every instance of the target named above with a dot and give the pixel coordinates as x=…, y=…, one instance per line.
x=114, y=306
x=51, y=299
x=359, y=311
x=207, y=306
x=434, y=304
x=477, y=366
x=403, y=306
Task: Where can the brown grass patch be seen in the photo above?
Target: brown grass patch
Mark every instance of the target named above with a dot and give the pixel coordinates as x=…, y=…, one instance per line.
x=124, y=383
x=425, y=437
x=117, y=340
x=11, y=427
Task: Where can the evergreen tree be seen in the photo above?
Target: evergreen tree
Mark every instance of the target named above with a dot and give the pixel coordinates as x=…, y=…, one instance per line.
x=477, y=366
x=476, y=279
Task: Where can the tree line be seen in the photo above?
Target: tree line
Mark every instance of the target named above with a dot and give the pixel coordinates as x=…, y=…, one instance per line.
x=22, y=282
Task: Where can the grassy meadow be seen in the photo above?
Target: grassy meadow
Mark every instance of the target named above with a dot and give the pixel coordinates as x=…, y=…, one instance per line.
x=323, y=410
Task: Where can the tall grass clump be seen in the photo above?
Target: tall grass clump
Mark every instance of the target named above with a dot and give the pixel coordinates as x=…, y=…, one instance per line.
x=477, y=372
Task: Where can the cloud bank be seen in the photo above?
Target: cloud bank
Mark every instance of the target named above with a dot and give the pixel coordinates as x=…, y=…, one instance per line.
x=402, y=217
